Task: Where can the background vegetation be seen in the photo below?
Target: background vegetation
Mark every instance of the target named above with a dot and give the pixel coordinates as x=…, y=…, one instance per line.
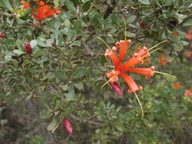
x=62, y=77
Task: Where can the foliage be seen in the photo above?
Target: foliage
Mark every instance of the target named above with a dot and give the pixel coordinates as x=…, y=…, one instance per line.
x=67, y=66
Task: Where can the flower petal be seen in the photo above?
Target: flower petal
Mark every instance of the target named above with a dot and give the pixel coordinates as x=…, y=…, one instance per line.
x=148, y=72
x=122, y=45
x=112, y=55
x=131, y=62
x=133, y=87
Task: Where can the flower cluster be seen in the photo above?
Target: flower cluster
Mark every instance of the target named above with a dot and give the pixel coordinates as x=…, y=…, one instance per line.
x=120, y=69
x=43, y=11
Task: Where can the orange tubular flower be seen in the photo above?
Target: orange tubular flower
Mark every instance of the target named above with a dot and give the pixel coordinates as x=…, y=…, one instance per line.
x=113, y=75
x=177, y=85
x=189, y=35
x=40, y=3
x=25, y=4
x=112, y=55
x=188, y=93
x=148, y=72
x=122, y=45
x=42, y=12
x=133, y=87
x=57, y=10
x=163, y=60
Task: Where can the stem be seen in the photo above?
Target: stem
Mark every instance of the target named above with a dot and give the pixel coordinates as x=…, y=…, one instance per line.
x=142, y=112
x=155, y=50
x=125, y=32
x=106, y=82
x=103, y=42
x=157, y=44
x=165, y=74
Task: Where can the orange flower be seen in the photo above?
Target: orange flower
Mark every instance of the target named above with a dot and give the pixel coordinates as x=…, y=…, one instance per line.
x=42, y=12
x=163, y=60
x=25, y=4
x=187, y=53
x=40, y=3
x=57, y=10
x=188, y=93
x=119, y=68
x=189, y=35
x=177, y=85
x=175, y=34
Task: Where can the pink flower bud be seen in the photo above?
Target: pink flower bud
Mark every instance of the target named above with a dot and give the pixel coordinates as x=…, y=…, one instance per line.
x=52, y=43
x=116, y=88
x=34, y=95
x=68, y=126
x=2, y=35
x=28, y=48
x=142, y=24
x=52, y=16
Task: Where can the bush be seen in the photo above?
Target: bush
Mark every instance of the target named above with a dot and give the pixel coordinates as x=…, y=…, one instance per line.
x=54, y=60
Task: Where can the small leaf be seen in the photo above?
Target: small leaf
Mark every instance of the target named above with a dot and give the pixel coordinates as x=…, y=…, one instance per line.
x=41, y=43
x=188, y=23
x=53, y=125
x=79, y=85
x=70, y=5
x=79, y=73
x=18, y=52
x=146, y=2
x=131, y=19
x=33, y=43
x=86, y=6
x=45, y=114
x=77, y=25
x=60, y=74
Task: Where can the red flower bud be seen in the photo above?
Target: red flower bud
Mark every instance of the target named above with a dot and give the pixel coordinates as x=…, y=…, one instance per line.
x=52, y=16
x=116, y=88
x=28, y=48
x=34, y=95
x=68, y=126
x=2, y=35
x=142, y=24
x=52, y=43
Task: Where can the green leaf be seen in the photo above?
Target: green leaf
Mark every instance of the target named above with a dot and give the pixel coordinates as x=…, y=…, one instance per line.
x=70, y=5
x=60, y=74
x=57, y=102
x=8, y=57
x=41, y=43
x=146, y=2
x=64, y=87
x=19, y=44
x=79, y=73
x=45, y=114
x=71, y=94
x=6, y=4
x=177, y=47
x=77, y=25
x=33, y=43
x=53, y=125
x=18, y=52
x=114, y=19
x=187, y=4
x=188, y=23
x=86, y=6
x=79, y=85
x=131, y=19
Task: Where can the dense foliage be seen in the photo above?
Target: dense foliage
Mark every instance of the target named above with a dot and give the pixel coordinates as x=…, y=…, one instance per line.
x=57, y=64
